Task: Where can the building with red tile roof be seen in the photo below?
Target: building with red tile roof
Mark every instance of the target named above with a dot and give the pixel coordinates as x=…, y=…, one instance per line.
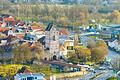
x=3, y=29
x=63, y=32
x=8, y=19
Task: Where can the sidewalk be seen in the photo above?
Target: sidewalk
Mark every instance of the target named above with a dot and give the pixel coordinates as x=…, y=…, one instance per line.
x=69, y=75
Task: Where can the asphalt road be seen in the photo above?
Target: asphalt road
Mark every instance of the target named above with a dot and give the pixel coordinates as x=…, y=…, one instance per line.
x=112, y=54
x=104, y=76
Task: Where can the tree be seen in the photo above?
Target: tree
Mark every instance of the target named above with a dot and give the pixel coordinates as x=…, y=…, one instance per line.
x=39, y=51
x=21, y=53
x=27, y=54
x=2, y=52
x=115, y=16
x=112, y=78
x=72, y=57
x=99, y=52
x=81, y=54
x=16, y=53
x=101, y=43
x=91, y=44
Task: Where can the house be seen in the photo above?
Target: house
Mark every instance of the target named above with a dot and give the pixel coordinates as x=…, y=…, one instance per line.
x=8, y=19
x=3, y=29
x=91, y=29
x=28, y=36
x=67, y=47
x=114, y=45
x=23, y=70
x=3, y=24
x=63, y=35
x=52, y=40
x=37, y=31
x=29, y=76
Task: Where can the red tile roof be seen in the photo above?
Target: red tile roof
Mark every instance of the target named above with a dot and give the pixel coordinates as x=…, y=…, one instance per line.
x=35, y=27
x=63, y=32
x=8, y=19
x=3, y=29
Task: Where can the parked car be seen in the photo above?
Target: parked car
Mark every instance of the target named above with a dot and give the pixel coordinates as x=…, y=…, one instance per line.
x=102, y=68
x=89, y=69
x=110, y=68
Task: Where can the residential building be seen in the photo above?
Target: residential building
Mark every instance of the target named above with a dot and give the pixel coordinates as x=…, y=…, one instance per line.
x=67, y=47
x=114, y=45
x=29, y=76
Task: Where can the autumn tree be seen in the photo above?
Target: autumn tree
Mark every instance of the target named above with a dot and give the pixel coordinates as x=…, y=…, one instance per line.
x=21, y=53
x=39, y=51
x=72, y=57
x=2, y=52
x=91, y=43
x=16, y=53
x=27, y=54
x=115, y=17
x=99, y=52
x=81, y=54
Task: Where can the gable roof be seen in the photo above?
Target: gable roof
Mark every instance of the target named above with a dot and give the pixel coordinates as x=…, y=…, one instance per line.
x=48, y=28
x=23, y=70
x=42, y=40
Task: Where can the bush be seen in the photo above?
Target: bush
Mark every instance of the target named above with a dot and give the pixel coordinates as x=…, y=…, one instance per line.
x=112, y=78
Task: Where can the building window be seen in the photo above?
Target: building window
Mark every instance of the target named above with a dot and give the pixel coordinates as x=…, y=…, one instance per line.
x=23, y=79
x=35, y=77
x=69, y=47
x=53, y=38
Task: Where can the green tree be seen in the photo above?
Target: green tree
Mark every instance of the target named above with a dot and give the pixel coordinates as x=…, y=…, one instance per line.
x=112, y=78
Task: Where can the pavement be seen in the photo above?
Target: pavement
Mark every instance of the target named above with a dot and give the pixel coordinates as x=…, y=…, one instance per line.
x=105, y=75
x=101, y=75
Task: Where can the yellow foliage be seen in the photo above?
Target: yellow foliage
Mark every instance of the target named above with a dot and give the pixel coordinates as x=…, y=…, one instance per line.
x=47, y=18
x=10, y=69
x=83, y=51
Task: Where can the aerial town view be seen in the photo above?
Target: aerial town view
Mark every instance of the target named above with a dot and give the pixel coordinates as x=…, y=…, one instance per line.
x=59, y=39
